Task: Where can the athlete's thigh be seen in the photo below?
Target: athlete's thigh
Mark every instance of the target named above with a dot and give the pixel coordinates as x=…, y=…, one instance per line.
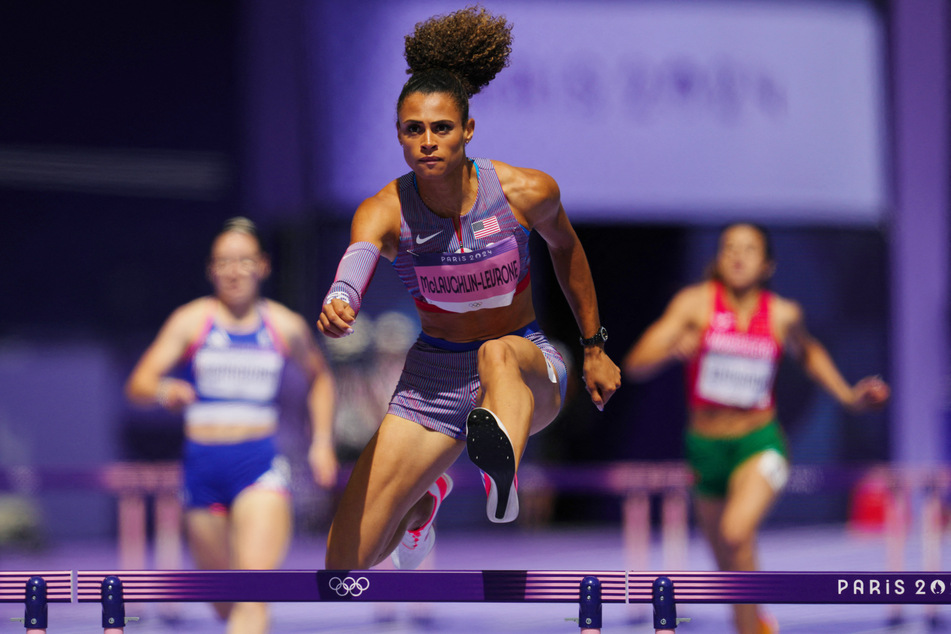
x=261, y=526
x=749, y=498
x=208, y=538
x=403, y=459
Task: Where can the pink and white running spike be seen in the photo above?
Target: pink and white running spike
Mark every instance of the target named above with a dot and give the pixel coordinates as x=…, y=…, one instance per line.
x=417, y=543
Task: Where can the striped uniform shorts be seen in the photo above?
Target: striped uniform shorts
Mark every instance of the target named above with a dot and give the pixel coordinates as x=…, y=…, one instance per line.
x=440, y=380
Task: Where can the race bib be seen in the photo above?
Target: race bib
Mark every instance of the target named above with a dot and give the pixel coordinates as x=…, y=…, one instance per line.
x=463, y=282
x=735, y=381
x=252, y=375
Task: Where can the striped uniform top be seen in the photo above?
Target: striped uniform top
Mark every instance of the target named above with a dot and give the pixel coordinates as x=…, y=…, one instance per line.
x=236, y=376
x=458, y=265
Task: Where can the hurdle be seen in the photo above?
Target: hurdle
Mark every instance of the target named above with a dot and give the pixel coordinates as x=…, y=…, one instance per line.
x=36, y=590
x=589, y=590
x=135, y=484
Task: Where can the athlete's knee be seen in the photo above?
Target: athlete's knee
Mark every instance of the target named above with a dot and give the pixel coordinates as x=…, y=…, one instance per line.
x=496, y=356
x=736, y=537
x=496, y=351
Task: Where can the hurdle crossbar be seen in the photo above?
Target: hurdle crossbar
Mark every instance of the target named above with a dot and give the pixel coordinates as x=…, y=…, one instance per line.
x=59, y=585
x=532, y=586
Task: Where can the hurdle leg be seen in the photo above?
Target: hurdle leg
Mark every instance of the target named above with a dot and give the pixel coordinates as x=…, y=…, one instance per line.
x=131, y=529
x=674, y=531
x=665, y=610
x=35, y=615
x=168, y=541
x=589, y=606
x=113, y=606
x=931, y=530
x=896, y=534
x=636, y=529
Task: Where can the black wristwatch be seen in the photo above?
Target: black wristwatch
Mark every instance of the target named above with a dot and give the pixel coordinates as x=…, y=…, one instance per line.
x=597, y=340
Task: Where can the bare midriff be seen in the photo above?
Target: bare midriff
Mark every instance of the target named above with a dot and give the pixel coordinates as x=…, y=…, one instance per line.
x=725, y=422
x=229, y=434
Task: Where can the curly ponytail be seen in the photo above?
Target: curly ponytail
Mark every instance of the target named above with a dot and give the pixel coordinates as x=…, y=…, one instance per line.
x=457, y=54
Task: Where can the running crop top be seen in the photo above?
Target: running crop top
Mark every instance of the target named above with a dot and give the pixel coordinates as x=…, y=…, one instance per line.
x=236, y=376
x=481, y=262
x=734, y=368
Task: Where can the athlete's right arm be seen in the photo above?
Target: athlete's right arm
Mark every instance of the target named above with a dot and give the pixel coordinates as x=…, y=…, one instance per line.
x=374, y=232
x=149, y=383
x=673, y=337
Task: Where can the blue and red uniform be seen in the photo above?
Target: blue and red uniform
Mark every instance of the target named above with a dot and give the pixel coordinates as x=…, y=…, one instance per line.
x=237, y=377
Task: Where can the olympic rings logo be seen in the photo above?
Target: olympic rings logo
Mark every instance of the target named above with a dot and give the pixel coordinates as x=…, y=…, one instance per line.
x=349, y=586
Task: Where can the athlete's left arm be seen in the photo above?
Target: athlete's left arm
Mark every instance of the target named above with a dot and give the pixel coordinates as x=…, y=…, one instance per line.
x=537, y=197
x=870, y=392
x=321, y=396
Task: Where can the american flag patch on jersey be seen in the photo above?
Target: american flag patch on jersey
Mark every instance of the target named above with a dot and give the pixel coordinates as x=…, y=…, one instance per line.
x=487, y=227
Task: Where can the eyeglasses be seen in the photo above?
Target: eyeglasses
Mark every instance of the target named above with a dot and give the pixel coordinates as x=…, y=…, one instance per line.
x=245, y=264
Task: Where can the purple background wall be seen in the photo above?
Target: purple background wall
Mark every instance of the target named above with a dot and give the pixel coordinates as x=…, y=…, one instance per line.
x=130, y=134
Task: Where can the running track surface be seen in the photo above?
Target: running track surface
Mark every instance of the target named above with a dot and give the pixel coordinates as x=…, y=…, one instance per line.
x=822, y=548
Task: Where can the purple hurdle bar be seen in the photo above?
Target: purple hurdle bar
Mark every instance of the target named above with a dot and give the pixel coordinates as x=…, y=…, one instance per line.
x=112, y=588
x=59, y=585
x=274, y=586
x=36, y=590
x=511, y=586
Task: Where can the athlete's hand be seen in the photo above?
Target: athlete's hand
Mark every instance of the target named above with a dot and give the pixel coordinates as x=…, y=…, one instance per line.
x=869, y=393
x=336, y=318
x=175, y=394
x=601, y=376
x=323, y=463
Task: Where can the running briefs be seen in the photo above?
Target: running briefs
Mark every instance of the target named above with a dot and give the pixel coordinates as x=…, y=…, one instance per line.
x=713, y=460
x=216, y=474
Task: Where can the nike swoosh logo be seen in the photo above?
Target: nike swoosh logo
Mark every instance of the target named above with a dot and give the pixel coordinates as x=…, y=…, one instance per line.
x=422, y=240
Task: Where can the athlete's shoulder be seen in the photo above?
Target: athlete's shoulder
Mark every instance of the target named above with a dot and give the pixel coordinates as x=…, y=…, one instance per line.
x=525, y=180
x=691, y=305
x=529, y=191
x=696, y=296
x=387, y=198
x=188, y=320
x=283, y=318
x=786, y=310
x=377, y=220
x=195, y=312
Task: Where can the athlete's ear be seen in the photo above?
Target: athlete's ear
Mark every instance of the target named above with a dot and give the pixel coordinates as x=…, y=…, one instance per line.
x=264, y=267
x=768, y=272
x=470, y=129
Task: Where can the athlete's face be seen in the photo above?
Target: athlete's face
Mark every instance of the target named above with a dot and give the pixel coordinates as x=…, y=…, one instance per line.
x=742, y=261
x=432, y=134
x=237, y=267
